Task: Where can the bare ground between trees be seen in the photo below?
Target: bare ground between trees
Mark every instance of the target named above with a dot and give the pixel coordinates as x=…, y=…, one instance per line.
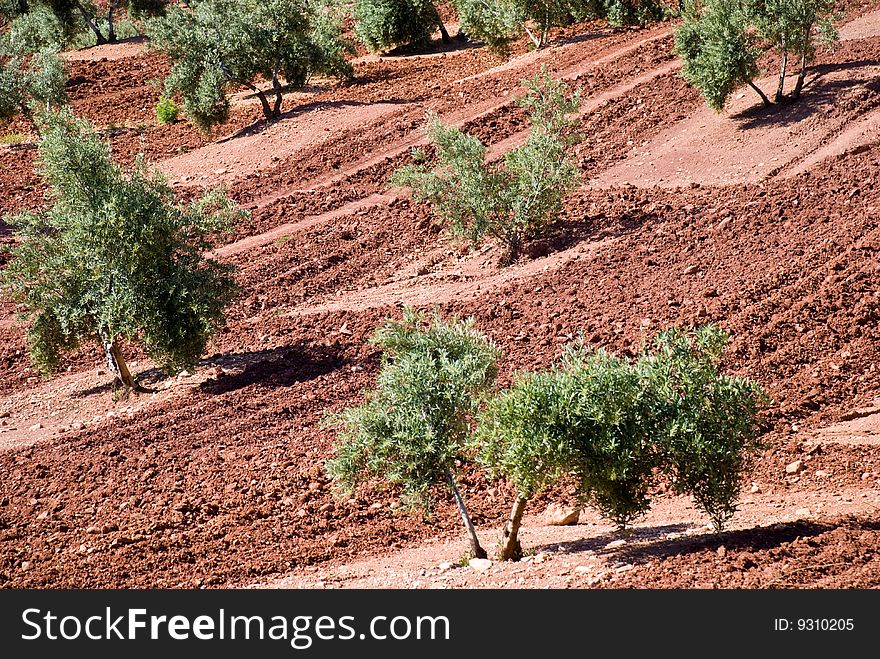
x=218, y=480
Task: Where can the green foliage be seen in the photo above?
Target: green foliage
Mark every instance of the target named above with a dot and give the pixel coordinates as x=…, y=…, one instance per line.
x=166, y=110
x=713, y=427
x=382, y=24
x=499, y=22
x=594, y=417
x=39, y=30
x=719, y=52
x=414, y=424
x=616, y=424
x=221, y=44
x=66, y=23
x=115, y=257
x=720, y=42
x=631, y=12
x=513, y=202
x=29, y=84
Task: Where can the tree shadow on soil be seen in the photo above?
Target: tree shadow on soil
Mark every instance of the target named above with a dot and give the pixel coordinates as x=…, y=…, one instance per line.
x=458, y=42
x=279, y=367
x=647, y=543
x=261, y=125
x=818, y=96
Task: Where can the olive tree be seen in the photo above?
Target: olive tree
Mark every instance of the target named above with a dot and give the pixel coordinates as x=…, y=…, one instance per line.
x=594, y=417
x=217, y=45
x=499, y=22
x=60, y=22
x=713, y=421
x=511, y=201
x=30, y=84
x=413, y=427
x=115, y=258
x=721, y=41
x=382, y=24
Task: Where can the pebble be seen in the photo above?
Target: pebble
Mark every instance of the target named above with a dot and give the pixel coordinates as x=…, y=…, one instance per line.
x=614, y=544
x=480, y=564
x=36, y=426
x=794, y=467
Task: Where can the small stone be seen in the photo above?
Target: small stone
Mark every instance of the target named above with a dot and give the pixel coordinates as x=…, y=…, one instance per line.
x=480, y=564
x=721, y=552
x=445, y=566
x=43, y=515
x=821, y=473
x=614, y=544
x=540, y=557
x=625, y=568
x=866, y=476
x=326, y=508
x=36, y=426
x=690, y=270
x=375, y=506
x=314, y=486
x=93, y=530
x=802, y=512
x=755, y=489
x=794, y=467
x=559, y=515
x=583, y=568
x=25, y=565
x=344, y=329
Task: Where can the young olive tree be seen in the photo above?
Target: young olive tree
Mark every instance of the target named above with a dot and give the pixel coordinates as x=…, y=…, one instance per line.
x=594, y=417
x=114, y=257
x=59, y=22
x=713, y=420
x=216, y=45
x=499, y=22
x=513, y=201
x=383, y=24
x=413, y=426
x=720, y=42
x=518, y=437
x=30, y=85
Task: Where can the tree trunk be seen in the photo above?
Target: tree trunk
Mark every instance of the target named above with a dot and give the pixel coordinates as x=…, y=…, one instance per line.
x=511, y=549
x=443, y=33
x=531, y=36
x=267, y=110
x=276, y=109
x=478, y=551
x=99, y=37
x=782, y=67
x=799, y=85
x=760, y=93
x=116, y=364
x=111, y=33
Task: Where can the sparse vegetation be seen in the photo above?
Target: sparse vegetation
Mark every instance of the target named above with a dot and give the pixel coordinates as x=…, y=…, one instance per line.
x=513, y=201
x=413, y=426
x=720, y=42
x=383, y=24
x=166, y=110
x=217, y=45
x=114, y=259
x=30, y=84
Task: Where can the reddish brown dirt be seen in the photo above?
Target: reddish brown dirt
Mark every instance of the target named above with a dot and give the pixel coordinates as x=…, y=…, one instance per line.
x=218, y=480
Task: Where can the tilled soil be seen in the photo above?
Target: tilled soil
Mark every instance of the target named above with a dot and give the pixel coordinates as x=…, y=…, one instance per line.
x=219, y=480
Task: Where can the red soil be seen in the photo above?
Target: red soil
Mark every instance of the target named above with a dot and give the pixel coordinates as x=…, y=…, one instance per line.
x=218, y=480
